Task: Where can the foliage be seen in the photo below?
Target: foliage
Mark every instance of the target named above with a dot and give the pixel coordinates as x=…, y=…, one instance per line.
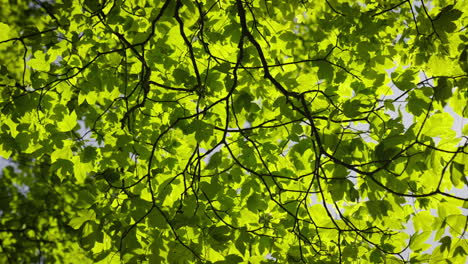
x=233, y=131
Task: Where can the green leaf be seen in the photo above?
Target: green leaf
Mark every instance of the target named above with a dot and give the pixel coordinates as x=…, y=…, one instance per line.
x=442, y=91
x=203, y=130
x=404, y=81
x=351, y=108
x=418, y=241
x=223, y=67
x=439, y=124
x=465, y=130
x=457, y=175
x=376, y=256
x=83, y=216
x=111, y=175
x=388, y=147
x=68, y=123
x=233, y=259
x=91, y=5
x=350, y=252
x=215, y=160
x=378, y=209
x=255, y=203
x=459, y=251
x=4, y=32
x=288, y=36
x=156, y=219
x=243, y=101
x=325, y=71
x=419, y=101
x=423, y=221
x=446, y=241
x=39, y=62
x=88, y=154
x=86, y=199
x=181, y=75
x=249, y=157
x=219, y=233
x=80, y=169
x=63, y=168
x=23, y=139
x=212, y=188
x=444, y=20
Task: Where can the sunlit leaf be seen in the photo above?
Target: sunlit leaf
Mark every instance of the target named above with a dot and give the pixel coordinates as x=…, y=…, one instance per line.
x=68, y=122
x=4, y=31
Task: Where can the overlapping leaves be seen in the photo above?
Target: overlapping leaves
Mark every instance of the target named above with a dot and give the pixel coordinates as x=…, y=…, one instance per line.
x=233, y=131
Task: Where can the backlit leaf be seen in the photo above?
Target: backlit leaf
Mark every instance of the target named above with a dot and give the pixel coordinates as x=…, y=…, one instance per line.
x=68, y=122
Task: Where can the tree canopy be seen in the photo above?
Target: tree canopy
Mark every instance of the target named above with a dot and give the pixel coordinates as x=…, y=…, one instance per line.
x=237, y=131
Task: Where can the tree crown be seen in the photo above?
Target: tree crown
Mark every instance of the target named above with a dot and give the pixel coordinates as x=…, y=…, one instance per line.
x=233, y=131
